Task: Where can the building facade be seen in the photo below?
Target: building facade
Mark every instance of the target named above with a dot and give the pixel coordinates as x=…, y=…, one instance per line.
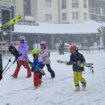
x=97, y=10
x=21, y=7
x=69, y=11
x=62, y=11
x=6, y=4
x=25, y=8
x=58, y=11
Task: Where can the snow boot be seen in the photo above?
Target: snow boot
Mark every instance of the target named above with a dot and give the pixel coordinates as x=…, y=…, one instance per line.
x=28, y=76
x=13, y=76
x=77, y=88
x=52, y=74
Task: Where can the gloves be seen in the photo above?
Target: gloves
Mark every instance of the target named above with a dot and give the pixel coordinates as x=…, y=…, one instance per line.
x=41, y=71
x=80, y=64
x=68, y=63
x=20, y=54
x=31, y=63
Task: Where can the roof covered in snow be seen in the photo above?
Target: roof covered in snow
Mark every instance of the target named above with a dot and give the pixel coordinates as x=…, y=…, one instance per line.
x=86, y=27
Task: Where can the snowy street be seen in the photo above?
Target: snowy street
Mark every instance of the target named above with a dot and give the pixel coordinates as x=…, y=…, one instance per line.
x=58, y=91
x=52, y=52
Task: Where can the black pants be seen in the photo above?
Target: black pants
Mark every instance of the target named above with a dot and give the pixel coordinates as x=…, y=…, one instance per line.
x=49, y=69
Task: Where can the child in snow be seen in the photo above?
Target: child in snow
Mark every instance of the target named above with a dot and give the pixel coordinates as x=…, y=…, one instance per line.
x=77, y=57
x=45, y=54
x=36, y=68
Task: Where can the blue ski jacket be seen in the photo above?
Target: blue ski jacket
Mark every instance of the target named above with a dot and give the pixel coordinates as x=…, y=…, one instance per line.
x=37, y=65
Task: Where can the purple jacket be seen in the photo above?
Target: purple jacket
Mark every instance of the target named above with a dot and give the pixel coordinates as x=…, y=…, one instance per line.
x=23, y=49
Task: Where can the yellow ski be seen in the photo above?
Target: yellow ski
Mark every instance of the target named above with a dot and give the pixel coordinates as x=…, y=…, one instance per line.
x=11, y=22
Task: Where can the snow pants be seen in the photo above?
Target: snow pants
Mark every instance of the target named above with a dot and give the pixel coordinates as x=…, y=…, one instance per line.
x=49, y=69
x=19, y=64
x=37, y=80
x=78, y=77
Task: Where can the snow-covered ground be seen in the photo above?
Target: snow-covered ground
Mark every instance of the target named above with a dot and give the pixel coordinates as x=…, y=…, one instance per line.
x=58, y=91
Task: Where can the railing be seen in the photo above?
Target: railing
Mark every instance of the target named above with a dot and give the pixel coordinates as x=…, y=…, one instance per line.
x=4, y=50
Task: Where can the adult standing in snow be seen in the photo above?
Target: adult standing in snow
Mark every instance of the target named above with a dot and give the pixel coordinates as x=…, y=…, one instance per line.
x=22, y=59
x=61, y=47
x=45, y=54
x=77, y=57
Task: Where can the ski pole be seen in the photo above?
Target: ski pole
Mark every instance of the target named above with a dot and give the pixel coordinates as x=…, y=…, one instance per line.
x=7, y=64
x=7, y=68
x=92, y=70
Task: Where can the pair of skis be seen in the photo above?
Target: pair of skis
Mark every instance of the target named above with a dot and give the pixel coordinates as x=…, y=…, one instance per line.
x=11, y=22
x=90, y=65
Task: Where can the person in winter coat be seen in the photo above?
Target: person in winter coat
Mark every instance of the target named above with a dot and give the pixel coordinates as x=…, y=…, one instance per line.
x=22, y=59
x=45, y=54
x=78, y=58
x=1, y=66
x=61, y=47
x=36, y=68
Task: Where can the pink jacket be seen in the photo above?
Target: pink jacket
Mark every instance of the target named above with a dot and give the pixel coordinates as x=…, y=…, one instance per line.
x=45, y=54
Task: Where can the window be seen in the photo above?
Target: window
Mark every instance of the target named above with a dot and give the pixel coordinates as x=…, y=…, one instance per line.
x=48, y=17
x=84, y=4
x=75, y=4
x=94, y=17
x=95, y=9
x=27, y=7
x=63, y=4
x=85, y=16
x=48, y=3
x=75, y=15
x=64, y=16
